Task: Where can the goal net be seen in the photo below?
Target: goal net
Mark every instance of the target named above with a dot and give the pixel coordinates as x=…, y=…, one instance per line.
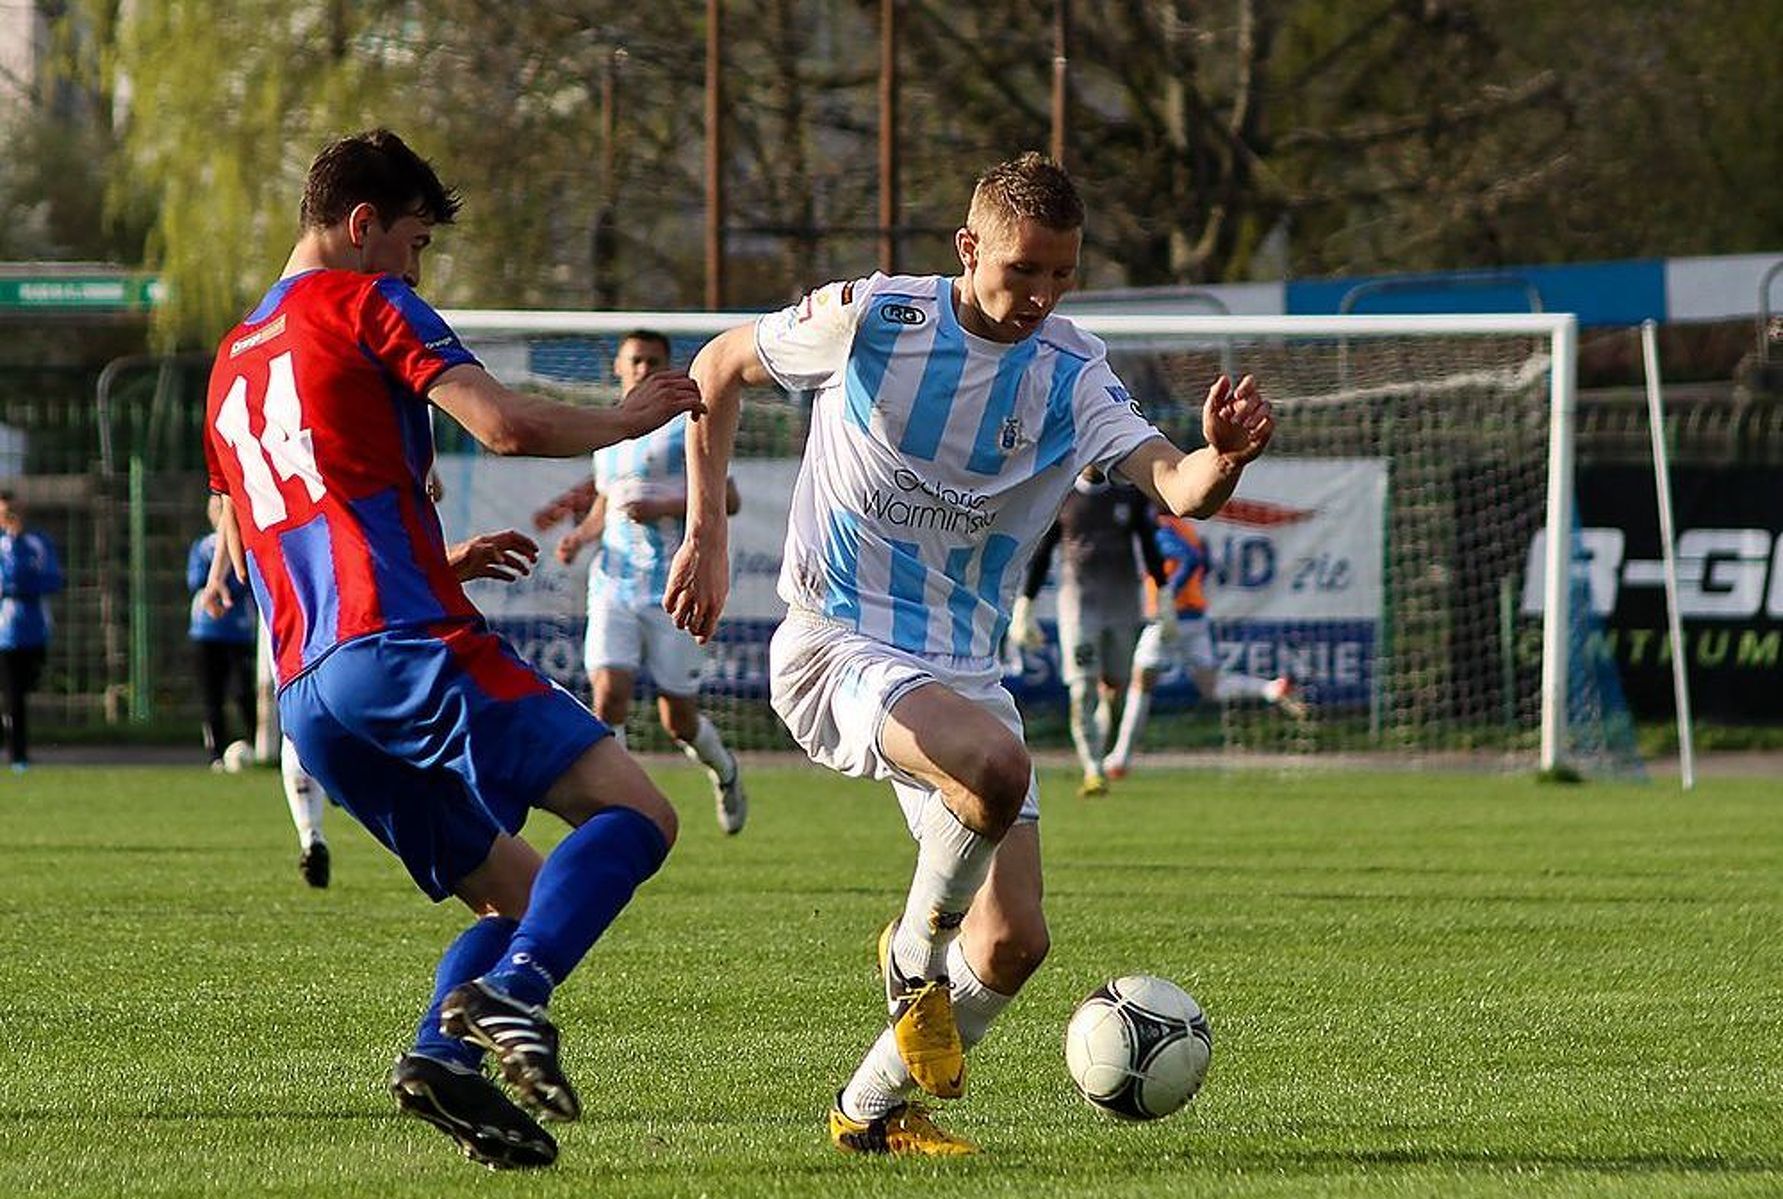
x=1389, y=555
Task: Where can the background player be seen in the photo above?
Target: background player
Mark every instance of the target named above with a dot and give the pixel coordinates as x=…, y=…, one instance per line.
x=636, y=514
x=1100, y=524
x=1178, y=634
x=951, y=417
x=222, y=645
x=416, y=718
x=501, y=556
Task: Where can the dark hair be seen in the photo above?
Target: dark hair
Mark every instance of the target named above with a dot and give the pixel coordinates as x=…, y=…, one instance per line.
x=1030, y=185
x=377, y=168
x=649, y=335
x=6, y=495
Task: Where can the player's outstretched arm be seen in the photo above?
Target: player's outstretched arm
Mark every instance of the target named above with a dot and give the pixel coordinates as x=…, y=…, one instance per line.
x=1237, y=423
x=699, y=577
x=511, y=422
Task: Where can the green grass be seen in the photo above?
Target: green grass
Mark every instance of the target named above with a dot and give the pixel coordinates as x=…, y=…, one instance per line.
x=1419, y=985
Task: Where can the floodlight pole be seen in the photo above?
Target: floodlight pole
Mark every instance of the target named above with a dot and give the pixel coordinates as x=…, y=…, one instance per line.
x=714, y=156
x=606, y=233
x=1061, y=81
x=888, y=135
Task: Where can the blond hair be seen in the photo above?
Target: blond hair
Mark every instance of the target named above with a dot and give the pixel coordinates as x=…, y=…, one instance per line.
x=1030, y=186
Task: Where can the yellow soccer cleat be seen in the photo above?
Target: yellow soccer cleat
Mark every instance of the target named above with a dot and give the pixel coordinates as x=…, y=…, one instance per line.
x=1093, y=784
x=923, y=1026
x=905, y=1130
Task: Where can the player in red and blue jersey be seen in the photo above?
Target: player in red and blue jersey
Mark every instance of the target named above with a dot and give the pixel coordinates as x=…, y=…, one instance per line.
x=407, y=709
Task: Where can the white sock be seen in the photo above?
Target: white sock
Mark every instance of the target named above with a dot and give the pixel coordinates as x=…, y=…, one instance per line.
x=882, y=1081
x=303, y=795
x=707, y=748
x=618, y=731
x=1104, y=718
x=1084, y=735
x=1139, y=706
x=974, y=1004
x=951, y=864
x=1240, y=686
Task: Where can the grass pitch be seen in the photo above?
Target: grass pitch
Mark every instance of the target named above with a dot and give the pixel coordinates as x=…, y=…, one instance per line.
x=1419, y=985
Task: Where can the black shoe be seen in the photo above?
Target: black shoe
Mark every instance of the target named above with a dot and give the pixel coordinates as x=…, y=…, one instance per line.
x=472, y=1111
x=521, y=1037
x=313, y=865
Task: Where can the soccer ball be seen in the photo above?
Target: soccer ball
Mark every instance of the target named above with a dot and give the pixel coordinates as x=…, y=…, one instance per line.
x=237, y=756
x=1138, y=1047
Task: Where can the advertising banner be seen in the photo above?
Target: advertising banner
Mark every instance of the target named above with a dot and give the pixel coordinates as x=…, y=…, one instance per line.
x=1294, y=578
x=1294, y=582
x=545, y=614
x=1729, y=525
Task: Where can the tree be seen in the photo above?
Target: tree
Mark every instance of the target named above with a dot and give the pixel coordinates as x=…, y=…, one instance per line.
x=1379, y=135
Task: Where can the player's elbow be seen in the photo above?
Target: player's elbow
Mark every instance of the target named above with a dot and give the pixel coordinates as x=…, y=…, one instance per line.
x=1199, y=508
x=725, y=364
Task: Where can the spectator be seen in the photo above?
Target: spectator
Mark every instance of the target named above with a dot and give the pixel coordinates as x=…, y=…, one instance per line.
x=29, y=575
x=224, y=647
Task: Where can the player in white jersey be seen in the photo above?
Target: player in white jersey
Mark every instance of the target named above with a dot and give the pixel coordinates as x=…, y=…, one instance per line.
x=637, y=507
x=951, y=416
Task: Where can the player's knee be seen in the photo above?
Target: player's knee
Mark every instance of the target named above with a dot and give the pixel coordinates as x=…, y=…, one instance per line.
x=1002, y=777
x=655, y=807
x=1019, y=947
x=680, y=725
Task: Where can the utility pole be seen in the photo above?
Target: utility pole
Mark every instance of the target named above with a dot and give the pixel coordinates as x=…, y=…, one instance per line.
x=715, y=214
x=1061, y=83
x=888, y=135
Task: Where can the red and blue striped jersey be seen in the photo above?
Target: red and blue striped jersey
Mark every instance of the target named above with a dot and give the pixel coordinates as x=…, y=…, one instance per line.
x=317, y=427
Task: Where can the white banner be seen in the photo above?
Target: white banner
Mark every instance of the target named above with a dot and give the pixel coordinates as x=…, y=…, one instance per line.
x=1300, y=540
x=484, y=494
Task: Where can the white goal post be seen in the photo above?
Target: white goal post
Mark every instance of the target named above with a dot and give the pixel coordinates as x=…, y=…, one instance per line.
x=1558, y=333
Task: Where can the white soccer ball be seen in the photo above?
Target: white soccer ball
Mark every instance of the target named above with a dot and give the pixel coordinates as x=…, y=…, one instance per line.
x=1138, y=1047
x=237, y=756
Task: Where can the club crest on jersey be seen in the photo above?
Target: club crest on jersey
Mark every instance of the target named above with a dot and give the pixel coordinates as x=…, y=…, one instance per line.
x=902, y=314
x=1009, y=436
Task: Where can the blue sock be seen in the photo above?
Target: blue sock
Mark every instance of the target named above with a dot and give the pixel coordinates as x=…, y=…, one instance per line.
x=477, y=948
x=583, y=885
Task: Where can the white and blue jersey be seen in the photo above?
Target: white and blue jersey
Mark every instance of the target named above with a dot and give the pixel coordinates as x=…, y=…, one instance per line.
x=631, y=566
x=936, y=460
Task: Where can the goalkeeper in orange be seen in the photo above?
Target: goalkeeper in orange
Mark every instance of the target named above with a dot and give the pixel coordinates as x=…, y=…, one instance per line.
x=1178, y=635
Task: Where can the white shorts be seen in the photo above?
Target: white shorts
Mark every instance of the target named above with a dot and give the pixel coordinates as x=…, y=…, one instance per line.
x=833, y=688
x=1192, y=650
x=1095, y=642
x=621, y=637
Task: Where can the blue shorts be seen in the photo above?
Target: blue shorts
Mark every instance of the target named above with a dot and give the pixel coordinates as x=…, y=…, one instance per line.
x=436, y=740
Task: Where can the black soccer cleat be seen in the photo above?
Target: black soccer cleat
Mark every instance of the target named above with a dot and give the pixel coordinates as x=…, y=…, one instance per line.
x=472, y=1111
x=314, y=864
x=521, y=1038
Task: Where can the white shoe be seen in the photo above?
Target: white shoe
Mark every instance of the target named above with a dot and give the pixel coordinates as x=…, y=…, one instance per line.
x=729, y=800
x=1283, y=694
